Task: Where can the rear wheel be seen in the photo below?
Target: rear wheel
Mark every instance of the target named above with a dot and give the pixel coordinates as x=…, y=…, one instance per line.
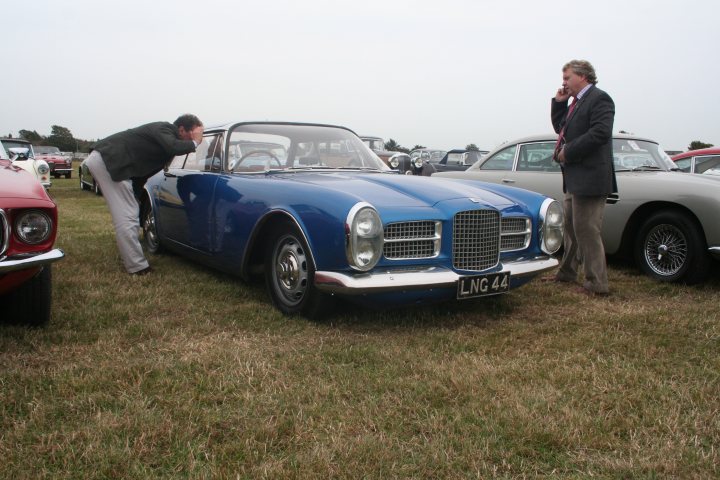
x=670, y=247
x=30, y=304
x=149, y=228
x=82, y=184
x=290, y=275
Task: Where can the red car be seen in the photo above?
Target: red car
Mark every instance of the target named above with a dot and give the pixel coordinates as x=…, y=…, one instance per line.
x=28, y=227
x=705, y=160
x=60, y=164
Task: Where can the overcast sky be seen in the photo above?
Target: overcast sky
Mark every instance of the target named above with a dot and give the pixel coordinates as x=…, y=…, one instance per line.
x=442, y=73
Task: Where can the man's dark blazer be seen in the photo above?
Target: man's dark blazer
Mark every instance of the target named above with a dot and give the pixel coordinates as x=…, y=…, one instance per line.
x=141, y=152
x=588, y=168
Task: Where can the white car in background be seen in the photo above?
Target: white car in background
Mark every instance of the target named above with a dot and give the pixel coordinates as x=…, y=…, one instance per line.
x=22, y=155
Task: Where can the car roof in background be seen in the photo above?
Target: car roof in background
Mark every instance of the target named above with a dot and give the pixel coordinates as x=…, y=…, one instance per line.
x=695, y=153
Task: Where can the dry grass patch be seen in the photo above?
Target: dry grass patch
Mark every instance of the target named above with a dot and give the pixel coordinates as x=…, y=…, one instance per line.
x=191, y=373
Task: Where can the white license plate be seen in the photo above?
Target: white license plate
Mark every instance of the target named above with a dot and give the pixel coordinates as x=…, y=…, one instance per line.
x=480, y=285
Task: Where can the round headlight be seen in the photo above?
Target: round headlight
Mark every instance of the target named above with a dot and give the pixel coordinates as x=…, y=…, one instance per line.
x=551, y=219
x=33, y=227
x=417, y=162
x=394, y=161
x=365, y=239
x=43, y=168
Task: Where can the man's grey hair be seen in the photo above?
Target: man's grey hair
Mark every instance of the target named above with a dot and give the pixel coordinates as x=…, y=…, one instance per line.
x=582, y=68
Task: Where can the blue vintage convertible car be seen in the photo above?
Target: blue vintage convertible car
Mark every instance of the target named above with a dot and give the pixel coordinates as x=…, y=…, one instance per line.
x=321, y=216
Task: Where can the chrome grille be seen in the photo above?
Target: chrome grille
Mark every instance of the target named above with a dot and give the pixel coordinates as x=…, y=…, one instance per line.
x=476, y=239
x=4, y=232
x=419, y=239
x=515, y=233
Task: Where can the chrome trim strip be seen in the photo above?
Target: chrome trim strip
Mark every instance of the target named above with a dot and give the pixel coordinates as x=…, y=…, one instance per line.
x=46, y=258
x=5, y=225
x=715, y=252
x=421, y=278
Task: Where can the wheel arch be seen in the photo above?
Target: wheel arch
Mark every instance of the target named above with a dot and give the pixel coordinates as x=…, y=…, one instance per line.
x=632, y=227
x=259, y=241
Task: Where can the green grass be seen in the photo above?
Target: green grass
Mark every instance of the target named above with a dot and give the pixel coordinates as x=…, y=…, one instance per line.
x=188, y=373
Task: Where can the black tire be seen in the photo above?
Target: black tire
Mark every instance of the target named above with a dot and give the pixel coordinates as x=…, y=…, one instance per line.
x=671, y=248
x=149, y=228
x=30, y=304
x=290, y=275
x=96, y=188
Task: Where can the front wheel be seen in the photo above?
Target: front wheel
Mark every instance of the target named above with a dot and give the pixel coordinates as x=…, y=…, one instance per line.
x=149, y=228
x=290, y=275
x=30, y=303
x=670, y=247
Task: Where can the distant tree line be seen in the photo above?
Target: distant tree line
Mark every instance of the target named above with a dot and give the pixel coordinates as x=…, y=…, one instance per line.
x=60, y=137
x=392, y=146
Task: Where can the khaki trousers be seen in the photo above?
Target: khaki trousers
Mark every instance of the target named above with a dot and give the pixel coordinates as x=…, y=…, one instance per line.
x=583, y=242
x=124, y=210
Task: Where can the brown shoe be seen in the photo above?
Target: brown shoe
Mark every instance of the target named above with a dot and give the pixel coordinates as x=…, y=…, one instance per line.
x=144, y=271
x=590, y=293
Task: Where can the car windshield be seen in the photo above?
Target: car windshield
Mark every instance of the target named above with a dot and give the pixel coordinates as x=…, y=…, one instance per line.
x=629, y=154
x=265, y=147
x=44, y=150
x=456, y=158
x=8, y=144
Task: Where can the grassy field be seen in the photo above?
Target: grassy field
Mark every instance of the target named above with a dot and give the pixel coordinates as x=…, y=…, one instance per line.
x=187, y=373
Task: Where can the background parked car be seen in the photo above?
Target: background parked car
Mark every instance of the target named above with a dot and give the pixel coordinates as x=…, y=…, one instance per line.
x=21, y=153
x=28, y=227
x=60, y=163
x=705, y=161
x=667, y=220
x=87, y=182
x=458, y=160
x=430, y=155
x=323, y=218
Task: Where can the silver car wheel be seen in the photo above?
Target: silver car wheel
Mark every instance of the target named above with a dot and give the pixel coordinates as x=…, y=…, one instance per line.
x=152, y=242
x=666, y=249
x=290, y=270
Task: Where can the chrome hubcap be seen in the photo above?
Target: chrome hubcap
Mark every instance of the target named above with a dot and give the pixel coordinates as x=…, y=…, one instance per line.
x=666, y=249
x=291, y=270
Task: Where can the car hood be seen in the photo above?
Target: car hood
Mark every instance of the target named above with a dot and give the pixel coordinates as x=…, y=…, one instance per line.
x=393, y=190
x=16, y=182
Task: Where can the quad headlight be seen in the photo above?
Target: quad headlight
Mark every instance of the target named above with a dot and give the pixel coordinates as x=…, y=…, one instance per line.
x=551, y=226
x=33, y=227
x=364, y=237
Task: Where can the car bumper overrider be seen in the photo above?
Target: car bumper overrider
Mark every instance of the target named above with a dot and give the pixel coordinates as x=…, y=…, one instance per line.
x=15, y=264
x=421, y=278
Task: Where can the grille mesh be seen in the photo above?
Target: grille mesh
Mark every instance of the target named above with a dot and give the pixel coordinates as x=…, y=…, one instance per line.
x=515, y=233
x=476, y=239
x=412, y=240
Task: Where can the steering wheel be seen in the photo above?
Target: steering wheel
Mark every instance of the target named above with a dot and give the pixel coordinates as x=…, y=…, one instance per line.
x=261, y=152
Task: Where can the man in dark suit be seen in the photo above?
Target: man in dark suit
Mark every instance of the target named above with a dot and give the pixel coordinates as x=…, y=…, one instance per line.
x=121, y=163
x=584, y=151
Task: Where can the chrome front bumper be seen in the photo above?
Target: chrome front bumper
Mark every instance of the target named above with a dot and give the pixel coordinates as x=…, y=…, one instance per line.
x=13, y=265
x=417, y=279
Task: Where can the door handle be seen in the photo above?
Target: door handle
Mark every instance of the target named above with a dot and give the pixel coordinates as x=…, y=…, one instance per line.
x=508, y=180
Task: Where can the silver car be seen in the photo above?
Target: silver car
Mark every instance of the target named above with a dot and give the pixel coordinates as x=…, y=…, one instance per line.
x=666, y=220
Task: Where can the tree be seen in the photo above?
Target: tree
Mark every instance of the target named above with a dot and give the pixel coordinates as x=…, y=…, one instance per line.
x=392, y=146
x=472, y=148
x=62, y=138
x=697, y=145
x=31, y=136
x=418, y=147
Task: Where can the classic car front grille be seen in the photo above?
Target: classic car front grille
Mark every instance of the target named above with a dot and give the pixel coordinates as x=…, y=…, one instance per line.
x=515, y=233
x=476, y=239
x=4, y=232
x=419, y=239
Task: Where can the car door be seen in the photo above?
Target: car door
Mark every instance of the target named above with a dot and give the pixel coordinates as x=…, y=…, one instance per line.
x=525, y=165
x=186, y=196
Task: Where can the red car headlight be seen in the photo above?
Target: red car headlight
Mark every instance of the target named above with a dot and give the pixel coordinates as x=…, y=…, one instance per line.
x=33, y=227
